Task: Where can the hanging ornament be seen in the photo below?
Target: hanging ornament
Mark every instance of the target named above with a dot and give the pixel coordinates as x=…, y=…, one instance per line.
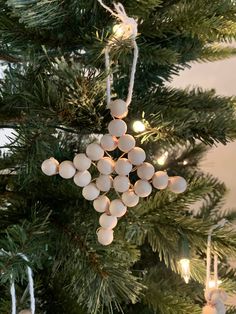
x=215, y=297
x=116, y=173
x=3, y=253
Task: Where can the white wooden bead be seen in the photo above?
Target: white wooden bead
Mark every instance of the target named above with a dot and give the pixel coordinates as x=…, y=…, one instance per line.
x=107, y=221
x=94, y=151
x=137, y=156
x=82, y=178
x=106, y=165
x=82, y=162
x=101, y=204
x=208, y=309
x=119, y=108
x=67, y=169
x=90, y=192
x=121, y=184
x=123, y=167
x=117, y=208
x=117, y=128
x=109, y=142
x=145, y=171
x=50, y=166
x=104, y=183
x=105, y=236
x=126, y=143
x=160, y=180
x=142, y=188
x=130, y=199
x=177, y=184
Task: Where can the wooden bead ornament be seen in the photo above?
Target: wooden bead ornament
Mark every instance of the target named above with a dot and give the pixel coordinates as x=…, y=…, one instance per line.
x=109, y=142
x=142, y=188
x=123, y=167
x=105, y=236
x=160, y=180
x=117, y=128
x=101, y=204
x=126, y=143
x=115, y=172
x=118, y=108
x=94, y=151
x=104, y=183
x=137, y=156
x=117, y=208
x=121, y=184
x=145, y=171
x=177, y=184
x=50, y=166
x=82, y=162
x=90, y=192
x=106, y=165
x=215, y=297
x=67, y=169
x=82, y=179
x=129, y=198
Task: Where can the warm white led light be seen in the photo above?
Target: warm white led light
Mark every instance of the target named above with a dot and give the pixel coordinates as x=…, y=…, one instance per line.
x=162, y=159
x=118, y=30
x=185, y=269
x=212, y=284
x=138, y=126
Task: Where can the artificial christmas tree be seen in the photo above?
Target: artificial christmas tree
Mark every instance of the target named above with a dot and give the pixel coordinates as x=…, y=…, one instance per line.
x=54, y=96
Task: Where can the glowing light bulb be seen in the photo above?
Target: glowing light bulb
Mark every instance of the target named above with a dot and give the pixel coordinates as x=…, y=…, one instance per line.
x=118, y=30
x=162, y=159
x=185, y=269
x=212, y=284
x=185, y=162
x=138, y=126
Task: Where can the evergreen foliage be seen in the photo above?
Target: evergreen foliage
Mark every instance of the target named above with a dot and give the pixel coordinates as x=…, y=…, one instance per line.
x=53, y=96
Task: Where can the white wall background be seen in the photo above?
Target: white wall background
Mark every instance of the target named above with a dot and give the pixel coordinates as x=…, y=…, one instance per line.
x=220, y=75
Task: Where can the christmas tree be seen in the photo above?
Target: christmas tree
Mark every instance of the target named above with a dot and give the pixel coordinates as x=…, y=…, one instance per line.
x=53, y=94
